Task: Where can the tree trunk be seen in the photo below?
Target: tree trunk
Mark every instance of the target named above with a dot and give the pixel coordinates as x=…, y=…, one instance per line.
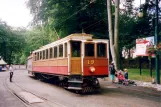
x=116, y=36
x=114, y=47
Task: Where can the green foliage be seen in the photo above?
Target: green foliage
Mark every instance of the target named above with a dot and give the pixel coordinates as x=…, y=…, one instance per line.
x=68, y=16
x=59, y=18
x=11, y=42
x=127, y=35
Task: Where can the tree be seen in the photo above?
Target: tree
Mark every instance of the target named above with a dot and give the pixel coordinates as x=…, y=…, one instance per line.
x=114, y=33
x=69, y=16
x=11, y=43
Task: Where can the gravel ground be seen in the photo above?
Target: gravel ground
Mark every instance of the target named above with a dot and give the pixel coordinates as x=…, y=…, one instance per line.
x=149, y=85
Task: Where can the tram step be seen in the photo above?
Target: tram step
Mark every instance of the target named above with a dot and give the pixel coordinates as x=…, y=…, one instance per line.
x=75, y=88
x=75, y=81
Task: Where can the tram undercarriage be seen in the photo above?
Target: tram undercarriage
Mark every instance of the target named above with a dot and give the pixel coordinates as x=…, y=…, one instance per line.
x=76, y=83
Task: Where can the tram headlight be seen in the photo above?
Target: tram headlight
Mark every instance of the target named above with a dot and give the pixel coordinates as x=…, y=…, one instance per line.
x=92, y=69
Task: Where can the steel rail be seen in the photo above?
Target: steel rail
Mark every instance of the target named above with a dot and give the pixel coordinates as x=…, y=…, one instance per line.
x=14, y=94
x=41, y=97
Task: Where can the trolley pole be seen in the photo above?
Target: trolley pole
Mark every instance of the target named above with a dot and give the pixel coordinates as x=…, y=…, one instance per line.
x=157, y=41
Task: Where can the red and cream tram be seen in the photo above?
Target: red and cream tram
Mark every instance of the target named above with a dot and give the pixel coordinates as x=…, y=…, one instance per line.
x=76, y=61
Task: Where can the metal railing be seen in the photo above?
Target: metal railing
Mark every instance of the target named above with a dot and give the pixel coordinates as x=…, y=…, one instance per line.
x=19, y=67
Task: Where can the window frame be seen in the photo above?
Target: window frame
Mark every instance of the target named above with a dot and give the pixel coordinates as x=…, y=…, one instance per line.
x=71, y=48
x=47, y=54
x=94, y=50
x=65, y=50
x=105, y=49
x=50, y=52
x=37, y=55
x=43, y=54
x=55, y=53
x=60, y=51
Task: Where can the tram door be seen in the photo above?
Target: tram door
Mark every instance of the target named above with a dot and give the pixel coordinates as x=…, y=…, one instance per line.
x=76, y=58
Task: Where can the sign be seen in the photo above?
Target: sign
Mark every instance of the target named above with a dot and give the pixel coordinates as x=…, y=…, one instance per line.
x=142, y=44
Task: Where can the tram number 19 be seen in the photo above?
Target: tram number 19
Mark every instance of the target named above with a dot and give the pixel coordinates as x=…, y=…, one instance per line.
x=90, y=62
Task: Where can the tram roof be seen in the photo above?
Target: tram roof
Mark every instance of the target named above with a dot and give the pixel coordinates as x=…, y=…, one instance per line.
x=76, y=37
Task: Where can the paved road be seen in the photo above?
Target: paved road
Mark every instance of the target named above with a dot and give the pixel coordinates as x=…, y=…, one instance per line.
x=6, y=98
x=111, y=95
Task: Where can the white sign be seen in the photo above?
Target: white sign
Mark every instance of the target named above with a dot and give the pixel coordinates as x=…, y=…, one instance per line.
x=141, y=45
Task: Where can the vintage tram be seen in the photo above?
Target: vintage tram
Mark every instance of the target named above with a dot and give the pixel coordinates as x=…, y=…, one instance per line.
x=76, y=61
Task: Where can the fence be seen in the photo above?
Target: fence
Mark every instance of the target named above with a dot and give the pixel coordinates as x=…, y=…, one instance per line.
x=19, y=67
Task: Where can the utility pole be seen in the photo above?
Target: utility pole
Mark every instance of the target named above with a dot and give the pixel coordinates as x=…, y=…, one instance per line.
x=157, y=41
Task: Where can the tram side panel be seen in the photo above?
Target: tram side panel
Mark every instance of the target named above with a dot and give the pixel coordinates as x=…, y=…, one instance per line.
x=96, y=67
x=54, y=66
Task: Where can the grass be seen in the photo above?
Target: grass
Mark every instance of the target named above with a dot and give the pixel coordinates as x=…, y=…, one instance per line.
x=134, y=74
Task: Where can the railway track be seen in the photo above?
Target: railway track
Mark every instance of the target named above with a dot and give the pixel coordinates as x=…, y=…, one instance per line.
x=21, y=96
x=13, y=93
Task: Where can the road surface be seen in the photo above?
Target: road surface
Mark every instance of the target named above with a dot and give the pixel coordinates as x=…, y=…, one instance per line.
x=110, y=95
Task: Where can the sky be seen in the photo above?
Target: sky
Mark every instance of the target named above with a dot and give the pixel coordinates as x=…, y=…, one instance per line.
x=137, y=2
x=16, y=14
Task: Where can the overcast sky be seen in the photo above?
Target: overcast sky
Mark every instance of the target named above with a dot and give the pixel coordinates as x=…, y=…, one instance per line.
x=137, y=2
x=16, y=14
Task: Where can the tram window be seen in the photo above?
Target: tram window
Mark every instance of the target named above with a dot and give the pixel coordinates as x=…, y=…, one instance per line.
x=66, y=51
x=55, y=52
x=101, y=50
x=40, y=55
x=60, y=50
x=75, y=49
x=46, y=53
x=37, y=55
x=51, y=53
x=89, y=50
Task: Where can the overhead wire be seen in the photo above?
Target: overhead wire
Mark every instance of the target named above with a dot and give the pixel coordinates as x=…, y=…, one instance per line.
x=94, y=24
x=92, y=1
